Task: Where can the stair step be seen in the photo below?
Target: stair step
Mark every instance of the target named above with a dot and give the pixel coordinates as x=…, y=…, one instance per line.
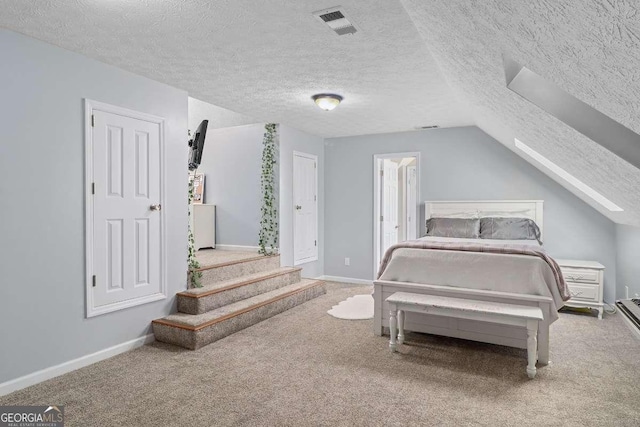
x=234, y=269
x=195, y=331
x=218, y=294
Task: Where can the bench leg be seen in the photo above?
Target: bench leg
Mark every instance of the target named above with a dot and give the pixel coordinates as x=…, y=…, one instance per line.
x=393, y=311
x=378, y=313
x=400, y=326
x=543, y=342
x=532, y=347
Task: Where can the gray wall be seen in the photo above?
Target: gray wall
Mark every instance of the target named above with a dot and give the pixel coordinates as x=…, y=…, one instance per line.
x=628, y=238
x=218, y=117
x=291, y=140
x=231, y=162
x=456, y=163
x=42, y=255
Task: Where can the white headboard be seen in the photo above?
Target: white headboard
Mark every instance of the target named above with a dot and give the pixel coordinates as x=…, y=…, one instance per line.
x=531, y=209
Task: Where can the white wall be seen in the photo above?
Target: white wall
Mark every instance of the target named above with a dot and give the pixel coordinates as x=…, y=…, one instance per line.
x=231, y=162
x=218, y=117
x=291, y=140
x=42, y=250
x=456, y=164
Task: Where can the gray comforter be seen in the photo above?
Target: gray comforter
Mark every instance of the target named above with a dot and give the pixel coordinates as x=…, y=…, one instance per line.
x=499, y=265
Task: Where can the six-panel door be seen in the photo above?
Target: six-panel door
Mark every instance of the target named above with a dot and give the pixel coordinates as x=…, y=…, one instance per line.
x=305, y=228
x=127, y=210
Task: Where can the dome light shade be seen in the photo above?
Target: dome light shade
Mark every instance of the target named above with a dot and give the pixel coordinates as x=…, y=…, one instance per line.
x=327, y=101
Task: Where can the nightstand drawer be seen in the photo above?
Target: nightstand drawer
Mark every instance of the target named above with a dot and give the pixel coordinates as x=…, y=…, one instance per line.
x=583, y=292
x=580, y=275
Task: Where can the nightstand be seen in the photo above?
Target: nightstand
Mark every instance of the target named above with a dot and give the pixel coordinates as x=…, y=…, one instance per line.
x=585, y=281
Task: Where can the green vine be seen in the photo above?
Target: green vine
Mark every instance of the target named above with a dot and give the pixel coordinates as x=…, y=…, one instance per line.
x=268, y=237
x=193, y=275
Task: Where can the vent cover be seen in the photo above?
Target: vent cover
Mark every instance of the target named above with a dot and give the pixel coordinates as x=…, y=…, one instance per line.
x=428, y=127
x=336, y=19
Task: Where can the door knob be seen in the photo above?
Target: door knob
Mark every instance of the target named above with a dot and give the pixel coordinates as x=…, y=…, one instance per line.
x=298, y=207
x=155, y=207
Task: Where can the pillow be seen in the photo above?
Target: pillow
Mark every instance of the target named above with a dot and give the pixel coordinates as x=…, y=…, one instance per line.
x=454, y=227
x=509, y=229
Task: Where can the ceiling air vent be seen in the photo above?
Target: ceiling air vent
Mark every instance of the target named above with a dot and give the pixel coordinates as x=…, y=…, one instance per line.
x=428, y=127
x=337, y=20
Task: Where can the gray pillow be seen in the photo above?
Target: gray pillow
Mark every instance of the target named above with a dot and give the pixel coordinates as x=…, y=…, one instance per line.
x=454, y=227
x=509, y=229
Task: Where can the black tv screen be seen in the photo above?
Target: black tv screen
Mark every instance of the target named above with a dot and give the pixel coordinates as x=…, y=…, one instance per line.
x=196, y=145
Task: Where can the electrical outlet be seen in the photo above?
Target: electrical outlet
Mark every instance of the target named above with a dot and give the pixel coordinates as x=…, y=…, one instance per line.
x=347, y=261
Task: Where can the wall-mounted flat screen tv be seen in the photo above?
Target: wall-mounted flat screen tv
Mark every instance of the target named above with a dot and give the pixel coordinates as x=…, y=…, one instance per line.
x=196, y=145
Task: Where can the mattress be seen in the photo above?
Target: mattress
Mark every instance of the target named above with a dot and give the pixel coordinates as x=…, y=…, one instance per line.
x=503, y=272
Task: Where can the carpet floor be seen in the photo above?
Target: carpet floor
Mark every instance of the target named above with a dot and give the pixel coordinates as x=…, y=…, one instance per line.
x=305, y=368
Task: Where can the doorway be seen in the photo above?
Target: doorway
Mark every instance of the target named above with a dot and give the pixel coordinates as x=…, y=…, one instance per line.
x=396, y=191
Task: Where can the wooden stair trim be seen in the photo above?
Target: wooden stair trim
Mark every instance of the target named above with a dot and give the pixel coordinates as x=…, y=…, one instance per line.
x=237, y=285
x=238, y=312
x=238, y=261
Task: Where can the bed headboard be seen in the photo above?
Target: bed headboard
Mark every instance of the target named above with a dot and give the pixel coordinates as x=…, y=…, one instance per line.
x=531, y=209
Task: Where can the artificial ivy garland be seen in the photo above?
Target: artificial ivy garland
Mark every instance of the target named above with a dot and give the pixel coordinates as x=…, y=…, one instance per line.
x=193, y=274
x=268, y=237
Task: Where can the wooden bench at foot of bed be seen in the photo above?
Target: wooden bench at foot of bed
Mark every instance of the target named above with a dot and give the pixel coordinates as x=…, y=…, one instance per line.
x=486, y=311
x=451, y=326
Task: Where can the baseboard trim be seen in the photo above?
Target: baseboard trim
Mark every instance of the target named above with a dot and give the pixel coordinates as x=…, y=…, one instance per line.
x=63, y=368
x=346, y=280
x=222, y=247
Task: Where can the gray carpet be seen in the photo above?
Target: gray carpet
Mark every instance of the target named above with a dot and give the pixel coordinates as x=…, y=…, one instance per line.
x=304, y=367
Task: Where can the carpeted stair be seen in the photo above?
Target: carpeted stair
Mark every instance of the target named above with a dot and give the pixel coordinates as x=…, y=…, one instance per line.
x=235, y=295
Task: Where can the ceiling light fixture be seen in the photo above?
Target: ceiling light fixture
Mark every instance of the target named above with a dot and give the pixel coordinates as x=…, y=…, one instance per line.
x=568, y=177
x=327, y=101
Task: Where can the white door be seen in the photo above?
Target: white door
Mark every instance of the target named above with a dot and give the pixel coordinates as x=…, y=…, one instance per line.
x=411, y=203
x=125, y=229
x=305, y=208
x=389, y=205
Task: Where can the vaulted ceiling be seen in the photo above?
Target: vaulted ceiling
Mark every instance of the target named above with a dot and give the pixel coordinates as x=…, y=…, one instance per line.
x=412, y=63
x=591, y=49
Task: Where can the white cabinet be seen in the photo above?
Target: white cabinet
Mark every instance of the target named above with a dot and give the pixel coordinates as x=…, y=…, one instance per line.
x=585, y=281
x=204, y=226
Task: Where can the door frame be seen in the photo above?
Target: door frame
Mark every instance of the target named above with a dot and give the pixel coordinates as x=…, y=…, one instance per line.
x=293, y=198
x=89, y=107
x=377, y=162
x=406, y=202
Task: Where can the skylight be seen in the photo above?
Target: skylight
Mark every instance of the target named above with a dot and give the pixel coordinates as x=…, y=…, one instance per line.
x=567, y=177
x=590, y=122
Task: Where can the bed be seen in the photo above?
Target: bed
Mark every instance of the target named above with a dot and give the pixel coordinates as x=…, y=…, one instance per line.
x=491, y=274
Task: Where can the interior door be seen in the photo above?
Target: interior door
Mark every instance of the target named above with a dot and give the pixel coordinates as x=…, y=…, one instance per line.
x=305, y=205
x=389, y=205
x=411, y=203
x=127, y=212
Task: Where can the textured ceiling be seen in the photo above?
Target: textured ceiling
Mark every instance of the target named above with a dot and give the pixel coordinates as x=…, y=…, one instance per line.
x=261, y=58
x=589, y=48
x=413, y=63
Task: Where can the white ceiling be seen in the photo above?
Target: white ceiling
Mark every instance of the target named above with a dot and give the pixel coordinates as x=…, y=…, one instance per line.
x=263, y=59
x=413, y=63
